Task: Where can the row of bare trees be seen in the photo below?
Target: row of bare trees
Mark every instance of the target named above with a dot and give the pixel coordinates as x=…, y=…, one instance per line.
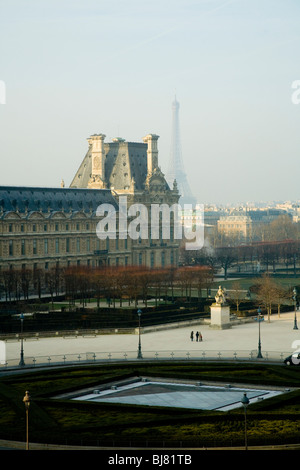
x=269, y=255
x=271, y=294
x=21, y=283
x=122, y=283
x=281, y=228
x=268, y=294
x=128, y=284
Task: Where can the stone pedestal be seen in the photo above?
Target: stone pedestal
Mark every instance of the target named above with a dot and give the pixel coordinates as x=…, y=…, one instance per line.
x=220, y=316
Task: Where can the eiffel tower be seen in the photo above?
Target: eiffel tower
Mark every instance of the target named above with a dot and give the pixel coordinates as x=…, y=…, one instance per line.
x=176, y=168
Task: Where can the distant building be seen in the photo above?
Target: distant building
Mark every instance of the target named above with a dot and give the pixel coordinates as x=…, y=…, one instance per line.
x=131, y=169
x=42, y=228
x=49, y=227
x=236, y=226
x=265, y=216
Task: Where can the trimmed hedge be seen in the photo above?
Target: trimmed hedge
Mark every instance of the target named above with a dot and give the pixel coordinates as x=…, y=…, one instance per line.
x=65, y=421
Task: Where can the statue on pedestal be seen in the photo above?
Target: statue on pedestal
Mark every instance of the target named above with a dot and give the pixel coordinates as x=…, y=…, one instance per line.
x=220, y=311
x=221, y=296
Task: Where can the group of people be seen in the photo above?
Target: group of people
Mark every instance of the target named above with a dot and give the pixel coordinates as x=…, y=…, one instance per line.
x=198, y=336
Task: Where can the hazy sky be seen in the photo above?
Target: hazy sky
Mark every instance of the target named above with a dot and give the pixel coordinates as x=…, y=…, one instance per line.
x=73, y=68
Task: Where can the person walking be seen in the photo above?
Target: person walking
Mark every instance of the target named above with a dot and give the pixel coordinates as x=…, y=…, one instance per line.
x=200, y=336
x=197, y=335
x=192, y=336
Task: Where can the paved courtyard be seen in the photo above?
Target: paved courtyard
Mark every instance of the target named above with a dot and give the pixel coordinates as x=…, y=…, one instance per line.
x=278, y=339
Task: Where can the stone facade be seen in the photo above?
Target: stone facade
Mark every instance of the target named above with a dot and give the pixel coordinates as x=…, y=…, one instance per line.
x=49, y=227
x=131, y=169
x=237, y=226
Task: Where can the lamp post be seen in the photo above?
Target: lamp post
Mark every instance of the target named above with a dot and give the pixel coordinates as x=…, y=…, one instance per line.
x=139, y=355
x=259, y=319
x=26, y=401
x=245, y=402
x=295, y=303
x=22, y=363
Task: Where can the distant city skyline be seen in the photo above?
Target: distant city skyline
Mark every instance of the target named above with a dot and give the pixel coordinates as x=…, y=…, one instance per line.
x=72, y=68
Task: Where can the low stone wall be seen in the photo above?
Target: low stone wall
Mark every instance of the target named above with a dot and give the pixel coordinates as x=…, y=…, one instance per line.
x=170, y=326
x=112, y=331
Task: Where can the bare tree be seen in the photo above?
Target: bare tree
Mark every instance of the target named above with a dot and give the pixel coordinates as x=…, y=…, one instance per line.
x=8, y=279
x=201, y=278
x=267, y=291
x=227, y=256
x=133, y=285
x=25, y=279
x=185, y=279
x=69, y=275
x=283, y=228
x=280, y=295
x=97, y=280
x=51, y=281
x=38, y=281
x=207, y=257
x=236, y=294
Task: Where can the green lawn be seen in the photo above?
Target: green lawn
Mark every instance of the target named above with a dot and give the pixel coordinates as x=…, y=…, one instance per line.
x=246, y=283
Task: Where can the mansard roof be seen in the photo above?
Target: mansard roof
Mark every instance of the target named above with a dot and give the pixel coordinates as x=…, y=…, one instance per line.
x=50, y=200
x=125, y=163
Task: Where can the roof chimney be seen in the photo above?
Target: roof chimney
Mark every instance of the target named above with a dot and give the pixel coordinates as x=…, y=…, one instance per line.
x=152, y=152
x=97, y=179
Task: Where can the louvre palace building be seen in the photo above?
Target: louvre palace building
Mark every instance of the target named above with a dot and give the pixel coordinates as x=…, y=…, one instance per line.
x=57, y=227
